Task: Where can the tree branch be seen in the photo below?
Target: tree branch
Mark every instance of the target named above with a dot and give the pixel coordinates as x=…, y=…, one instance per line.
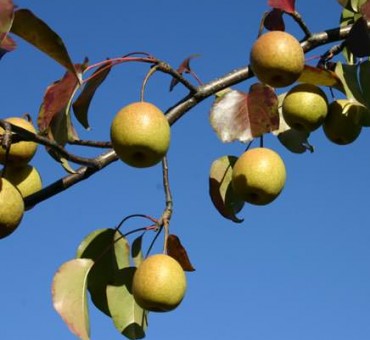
x=196, y=95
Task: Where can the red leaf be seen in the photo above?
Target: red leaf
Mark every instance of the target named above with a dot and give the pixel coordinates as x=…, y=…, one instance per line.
x=176, y=250
x=6, y=17
x=274, y=20
x=287, y=6
x=183, y=68
x=82, y=103
x=365, y=10
x=244, y=116
x=7, y=45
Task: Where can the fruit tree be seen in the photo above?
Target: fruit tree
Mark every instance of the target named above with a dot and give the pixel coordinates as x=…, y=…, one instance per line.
x=133, y=168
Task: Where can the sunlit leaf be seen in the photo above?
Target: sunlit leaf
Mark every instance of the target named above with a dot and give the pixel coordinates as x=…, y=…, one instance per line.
x=285, y=5
x=136, y=251
x=82, y=103
x=244, y=116
x=348, y=74
x=6, y=17
x=128, y=317
x=176, y=250
x=320, y=77
x=110, y=251
x=221, y=191
x=69, y=295
x=274, y=21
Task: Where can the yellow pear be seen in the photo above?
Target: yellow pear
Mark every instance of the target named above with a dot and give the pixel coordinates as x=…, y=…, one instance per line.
x=11, y=208
x=26, y=179
x=140, y=134
x=342, y=124
x=159, y=283
x=21, y=152
x=258, y=176
x=305, y=107
x=277, y=59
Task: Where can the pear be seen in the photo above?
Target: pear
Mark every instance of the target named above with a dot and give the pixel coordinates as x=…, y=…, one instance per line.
x=159, y=283
x=258, y=176
x=277, y=59
x=140, y=134
x=342, y=124
x=11, y=208
x=21, y=152
x=26, y=179
x=305, y=107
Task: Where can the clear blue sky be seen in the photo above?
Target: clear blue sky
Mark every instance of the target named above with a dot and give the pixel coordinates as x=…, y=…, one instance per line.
x=296, y=269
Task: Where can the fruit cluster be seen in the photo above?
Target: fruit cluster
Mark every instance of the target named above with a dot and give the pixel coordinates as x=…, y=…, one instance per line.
x=18, y=179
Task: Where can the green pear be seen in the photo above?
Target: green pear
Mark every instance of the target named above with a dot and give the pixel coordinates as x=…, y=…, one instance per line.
x=11, y=208
x=305, y=107
x=21, y=152
x=277, y=59
x=26, y=179
x=159, y=283
x=342, y=124
x=258, y=176
x=140, y=134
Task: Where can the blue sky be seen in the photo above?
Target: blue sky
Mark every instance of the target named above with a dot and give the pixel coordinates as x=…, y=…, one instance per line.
x=296, y=269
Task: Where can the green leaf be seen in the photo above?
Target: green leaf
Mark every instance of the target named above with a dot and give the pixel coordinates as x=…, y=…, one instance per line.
x=82, y=103
x=364, y=76
x=348, y=76
x=220, y=188
x=33, y=30
x=136, y=251
x=69, y=295
x=110, y=251
x=128, y=317
x=320, y=77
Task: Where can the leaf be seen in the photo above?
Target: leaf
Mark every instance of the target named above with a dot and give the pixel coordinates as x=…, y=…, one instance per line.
x=365, y=10
x=110, y=251
x=128, y=317
x=349, y=78
x=358, y=40
x=183, y=68
x=82, y=103
x=274, y=21
x=241, y=116
x=6, y=17
x=33, y=30
x=69, y=295
x=365, y=81
x=136, y=251
x=221, y=191
x=7, y=45
x=287, y=6
x=176, y=250
x=320, y=77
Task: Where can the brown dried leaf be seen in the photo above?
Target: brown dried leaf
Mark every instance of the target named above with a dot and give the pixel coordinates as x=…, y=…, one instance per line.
x=221, y=190
x=7, y=45
x=176, y=250
x=244, y=116
x=35, y=31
